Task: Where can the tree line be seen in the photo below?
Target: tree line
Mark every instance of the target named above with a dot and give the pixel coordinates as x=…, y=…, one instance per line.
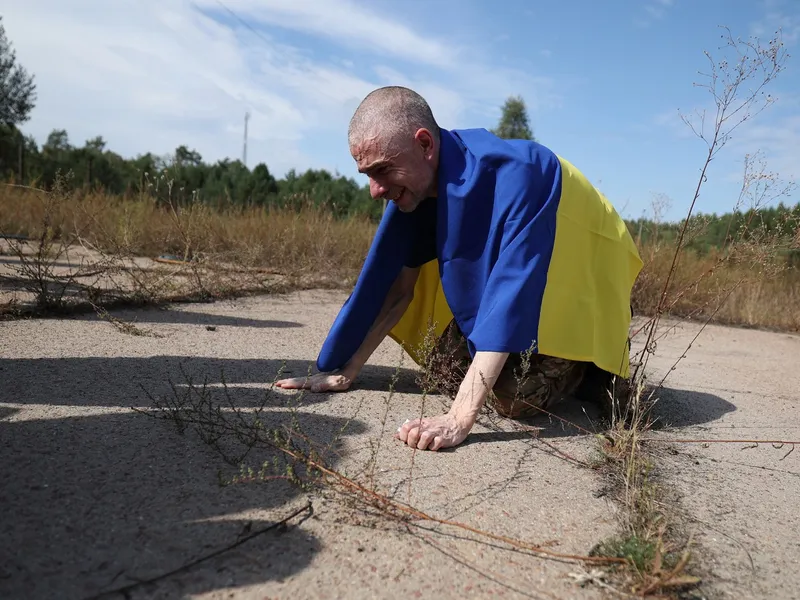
x=181, y=176
x=708, y=232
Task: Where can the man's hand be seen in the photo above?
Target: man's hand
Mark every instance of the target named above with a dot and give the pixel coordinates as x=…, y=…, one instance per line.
x=397, y=300
x=443, y=431
x=320, y=382
x=453, y=428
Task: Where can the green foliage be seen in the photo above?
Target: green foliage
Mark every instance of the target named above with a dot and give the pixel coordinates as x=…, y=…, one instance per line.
x=708, y=232
x=224, y=183
x=514, y=123
x=639, y=551
x=17, y=90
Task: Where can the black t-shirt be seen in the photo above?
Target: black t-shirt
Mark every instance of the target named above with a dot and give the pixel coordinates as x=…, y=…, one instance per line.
x=423, y=247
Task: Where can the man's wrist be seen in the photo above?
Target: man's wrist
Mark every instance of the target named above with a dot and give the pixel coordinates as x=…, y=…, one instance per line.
x=475, y=388
x=351, y=370
x=465, y=416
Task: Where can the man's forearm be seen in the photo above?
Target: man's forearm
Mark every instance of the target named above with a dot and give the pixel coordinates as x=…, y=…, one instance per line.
x=390, y=314
x=480, y=378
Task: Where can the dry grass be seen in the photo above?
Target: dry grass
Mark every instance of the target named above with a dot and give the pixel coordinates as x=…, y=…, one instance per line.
x=313, y=247
x=308, y=241
x=87, y=249
x=761, y=291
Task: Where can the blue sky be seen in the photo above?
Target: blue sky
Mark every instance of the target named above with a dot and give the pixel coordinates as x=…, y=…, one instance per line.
x=603, y=81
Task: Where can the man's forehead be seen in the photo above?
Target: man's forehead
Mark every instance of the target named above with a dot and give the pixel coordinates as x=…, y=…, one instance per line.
x=367, y=166
x=368, y=155
x=365, y=148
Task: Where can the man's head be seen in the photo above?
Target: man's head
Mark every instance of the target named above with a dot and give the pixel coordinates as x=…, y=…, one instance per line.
x=394, y=140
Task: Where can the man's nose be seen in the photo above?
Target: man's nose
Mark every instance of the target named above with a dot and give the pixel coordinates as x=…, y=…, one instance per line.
x=376, y=190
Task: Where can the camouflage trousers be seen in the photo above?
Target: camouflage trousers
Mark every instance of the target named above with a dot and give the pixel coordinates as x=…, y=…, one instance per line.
x=527, y=383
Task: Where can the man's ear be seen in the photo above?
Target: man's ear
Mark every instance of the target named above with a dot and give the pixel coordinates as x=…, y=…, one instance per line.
x=426, y=141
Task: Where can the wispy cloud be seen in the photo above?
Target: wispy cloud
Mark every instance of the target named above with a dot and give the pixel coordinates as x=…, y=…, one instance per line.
x=345, y=22
x=773, y=133
x=148, y=75
x=654, y=10
x=776, y=137
x=779, y=14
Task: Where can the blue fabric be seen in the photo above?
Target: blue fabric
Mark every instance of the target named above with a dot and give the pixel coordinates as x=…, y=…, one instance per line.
x=495, y=223
x=495, y=235
x=390, y=250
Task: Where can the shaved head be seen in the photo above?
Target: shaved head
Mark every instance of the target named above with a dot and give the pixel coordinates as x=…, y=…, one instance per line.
x=391, y=116
x=394, y=140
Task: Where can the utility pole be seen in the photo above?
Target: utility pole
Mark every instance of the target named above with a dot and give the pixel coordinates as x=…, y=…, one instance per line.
x=244, y=153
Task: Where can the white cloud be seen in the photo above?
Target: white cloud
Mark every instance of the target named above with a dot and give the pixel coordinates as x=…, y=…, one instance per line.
x=149, y=76
x=345, y=22
x=655, y=11
x=778, y=140
x=779, y=15
x=774, y=134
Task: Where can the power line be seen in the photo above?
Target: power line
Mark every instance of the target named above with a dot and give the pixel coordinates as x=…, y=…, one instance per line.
x=242, y=21
x=244, y=152
x=256, y=32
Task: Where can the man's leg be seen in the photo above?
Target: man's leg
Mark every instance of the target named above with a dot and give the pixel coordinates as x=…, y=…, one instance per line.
x=449, y=362
x=539, y=382
x=520, y=389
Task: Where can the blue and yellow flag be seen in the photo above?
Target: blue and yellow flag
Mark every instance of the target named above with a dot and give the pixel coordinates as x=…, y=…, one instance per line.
x=518, y=247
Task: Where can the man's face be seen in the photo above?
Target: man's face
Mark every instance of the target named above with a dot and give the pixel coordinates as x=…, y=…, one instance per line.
x=403, y=172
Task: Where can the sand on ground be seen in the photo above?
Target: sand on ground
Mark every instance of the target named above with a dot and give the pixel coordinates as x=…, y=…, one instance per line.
x=96, y=495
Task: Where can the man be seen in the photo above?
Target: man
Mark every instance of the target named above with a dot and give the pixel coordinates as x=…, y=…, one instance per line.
x=499, y=248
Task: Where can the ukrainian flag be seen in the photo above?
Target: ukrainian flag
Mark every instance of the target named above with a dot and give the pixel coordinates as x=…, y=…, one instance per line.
x=529, y=254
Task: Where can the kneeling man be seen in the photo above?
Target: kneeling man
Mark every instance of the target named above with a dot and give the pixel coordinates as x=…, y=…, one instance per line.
x=501, y=249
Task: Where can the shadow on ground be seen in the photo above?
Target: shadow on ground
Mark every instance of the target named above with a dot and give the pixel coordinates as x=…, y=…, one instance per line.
x=127, y=381
x=675, y=408
x=133, y=381
x=186, y=317
x=65, y=288
x=92, y=503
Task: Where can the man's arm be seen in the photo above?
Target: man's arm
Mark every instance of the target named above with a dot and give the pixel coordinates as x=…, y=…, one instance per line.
x=397, y=300
x=451, y=429
x=480, y=378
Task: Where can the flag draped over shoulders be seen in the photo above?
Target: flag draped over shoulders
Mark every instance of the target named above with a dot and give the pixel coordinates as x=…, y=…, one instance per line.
x=518, y=247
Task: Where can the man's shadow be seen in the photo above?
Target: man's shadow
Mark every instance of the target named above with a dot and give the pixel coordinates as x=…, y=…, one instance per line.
x=673, y=407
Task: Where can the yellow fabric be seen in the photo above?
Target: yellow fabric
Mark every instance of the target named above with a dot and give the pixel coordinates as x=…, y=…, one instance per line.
x=584, y=316
x=586, y=310
x=426, y=317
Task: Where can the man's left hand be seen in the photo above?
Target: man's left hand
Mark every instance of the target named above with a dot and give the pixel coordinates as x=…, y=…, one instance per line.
x=443, y=431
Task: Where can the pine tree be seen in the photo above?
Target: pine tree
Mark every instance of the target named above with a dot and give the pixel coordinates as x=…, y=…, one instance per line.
x=514, y=122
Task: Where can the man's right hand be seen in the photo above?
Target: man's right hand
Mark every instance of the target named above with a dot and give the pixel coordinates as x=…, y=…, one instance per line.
x=319, y=382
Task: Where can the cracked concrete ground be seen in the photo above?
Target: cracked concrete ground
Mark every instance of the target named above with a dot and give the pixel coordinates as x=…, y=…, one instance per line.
x=98, y=496
x=740, y=500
